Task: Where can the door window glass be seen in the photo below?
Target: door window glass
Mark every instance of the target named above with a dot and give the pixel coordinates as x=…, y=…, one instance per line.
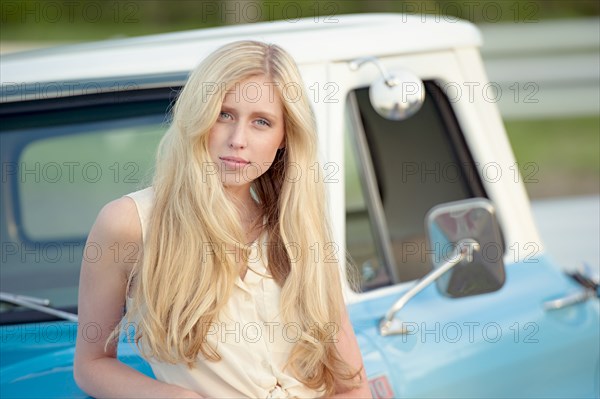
x=418, y=163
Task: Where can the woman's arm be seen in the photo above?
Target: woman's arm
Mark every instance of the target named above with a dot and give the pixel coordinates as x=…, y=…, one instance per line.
x=350, y=352
x=104, y=271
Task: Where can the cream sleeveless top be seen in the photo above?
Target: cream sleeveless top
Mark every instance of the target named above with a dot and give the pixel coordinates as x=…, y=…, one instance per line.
x=249, y=335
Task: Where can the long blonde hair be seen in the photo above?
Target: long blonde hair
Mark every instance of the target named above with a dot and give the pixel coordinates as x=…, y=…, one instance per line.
x=176, y=297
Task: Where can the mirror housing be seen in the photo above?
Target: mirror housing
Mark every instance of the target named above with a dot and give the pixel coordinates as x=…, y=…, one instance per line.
x=396, y=96
x=472, y=219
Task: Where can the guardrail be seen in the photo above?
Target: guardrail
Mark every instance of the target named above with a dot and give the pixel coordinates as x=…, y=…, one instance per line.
x=544, y=69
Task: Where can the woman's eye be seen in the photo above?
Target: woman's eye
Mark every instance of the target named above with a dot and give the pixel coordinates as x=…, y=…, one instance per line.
x=263, y=122
x=224, y=115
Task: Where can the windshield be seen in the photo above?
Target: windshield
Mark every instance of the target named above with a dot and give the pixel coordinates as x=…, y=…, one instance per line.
x=58, y=169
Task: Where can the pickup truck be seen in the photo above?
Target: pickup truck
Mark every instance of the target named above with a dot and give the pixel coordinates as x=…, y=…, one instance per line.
x=449, y=288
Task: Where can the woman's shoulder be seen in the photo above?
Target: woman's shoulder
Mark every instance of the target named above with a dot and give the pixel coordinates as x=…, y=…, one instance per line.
x=143, y=201
x=119, y=221
x=123, y=219
x=145, y=194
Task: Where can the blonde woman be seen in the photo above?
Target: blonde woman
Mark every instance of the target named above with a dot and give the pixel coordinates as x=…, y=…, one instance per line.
x=226, y=297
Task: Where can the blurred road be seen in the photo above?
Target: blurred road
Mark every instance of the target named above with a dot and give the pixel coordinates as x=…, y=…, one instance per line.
x=570, y=229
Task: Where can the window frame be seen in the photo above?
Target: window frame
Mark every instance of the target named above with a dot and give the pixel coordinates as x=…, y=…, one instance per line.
x=369, y=180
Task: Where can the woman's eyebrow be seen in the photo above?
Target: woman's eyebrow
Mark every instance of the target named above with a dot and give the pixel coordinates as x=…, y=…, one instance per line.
x=227, y=108
x=265, y=113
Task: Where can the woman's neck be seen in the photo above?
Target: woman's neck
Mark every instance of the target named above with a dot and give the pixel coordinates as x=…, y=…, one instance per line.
x=249, y=210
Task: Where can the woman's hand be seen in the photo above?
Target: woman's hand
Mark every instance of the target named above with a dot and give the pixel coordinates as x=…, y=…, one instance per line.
x=349, y=350
x=189, y=395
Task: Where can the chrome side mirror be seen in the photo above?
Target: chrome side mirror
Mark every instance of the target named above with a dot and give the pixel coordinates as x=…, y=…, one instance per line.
x=467, y=255
x=394, y=96
x=471, y=219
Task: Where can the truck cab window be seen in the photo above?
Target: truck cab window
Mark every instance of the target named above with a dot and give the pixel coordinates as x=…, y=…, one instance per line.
x=61, y=162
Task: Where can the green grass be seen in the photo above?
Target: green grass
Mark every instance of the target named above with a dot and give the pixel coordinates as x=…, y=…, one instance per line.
x=566, y=151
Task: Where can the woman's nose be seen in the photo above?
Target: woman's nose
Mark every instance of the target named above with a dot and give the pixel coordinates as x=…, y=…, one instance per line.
x=238, y=138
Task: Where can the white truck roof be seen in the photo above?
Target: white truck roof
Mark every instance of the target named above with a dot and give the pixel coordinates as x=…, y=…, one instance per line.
x=309, y=40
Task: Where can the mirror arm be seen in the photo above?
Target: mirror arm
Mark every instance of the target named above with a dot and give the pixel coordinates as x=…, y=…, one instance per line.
x=388, y=324
x=357, y=63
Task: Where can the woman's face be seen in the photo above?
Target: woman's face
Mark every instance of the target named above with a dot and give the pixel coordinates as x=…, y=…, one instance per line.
x=248, y=131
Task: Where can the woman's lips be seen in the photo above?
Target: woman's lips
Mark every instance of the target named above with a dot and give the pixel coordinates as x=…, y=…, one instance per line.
x=234, y=162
